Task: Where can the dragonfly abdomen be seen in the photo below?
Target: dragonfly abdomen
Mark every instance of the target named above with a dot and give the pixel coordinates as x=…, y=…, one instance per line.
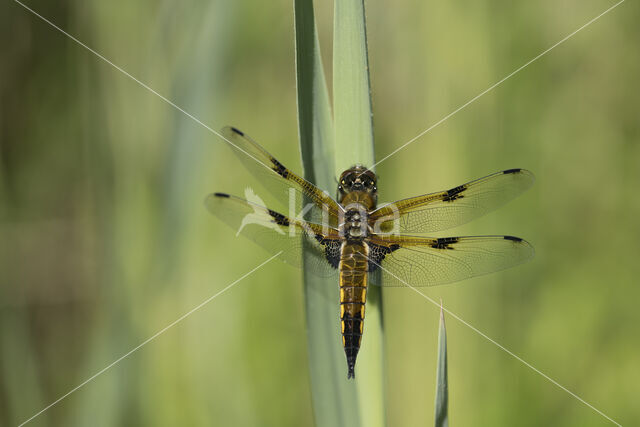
x=353, y=296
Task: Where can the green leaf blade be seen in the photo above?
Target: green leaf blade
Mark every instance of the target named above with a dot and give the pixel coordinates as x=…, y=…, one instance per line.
x=315, y=125
x=354, y=145
x=334, y=397
x=351, y=87
x=327, y=150
x=442, y=385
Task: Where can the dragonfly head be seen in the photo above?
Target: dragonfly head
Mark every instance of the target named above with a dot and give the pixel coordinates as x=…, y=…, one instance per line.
x=358, y=178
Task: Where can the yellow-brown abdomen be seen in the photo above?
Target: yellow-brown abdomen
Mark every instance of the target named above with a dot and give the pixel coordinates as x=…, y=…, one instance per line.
x=353, y=267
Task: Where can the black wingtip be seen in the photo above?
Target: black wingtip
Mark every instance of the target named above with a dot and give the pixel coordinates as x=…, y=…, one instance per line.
x=513, y=238
x=238, y=131
x=508, y=171
x=225, y=195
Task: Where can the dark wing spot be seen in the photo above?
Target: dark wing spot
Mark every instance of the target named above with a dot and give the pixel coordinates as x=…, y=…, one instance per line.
x=331, y=249
x=279, y=168
x=508, y=171
x=225, y=195
x=332, y=252
x=239, y=132
x=444, y=243
x=278, y=218
x=513, y=238
x=377, y=253
x=454, y=194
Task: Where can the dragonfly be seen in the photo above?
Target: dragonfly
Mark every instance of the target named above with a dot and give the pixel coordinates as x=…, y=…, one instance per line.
x=352, y=238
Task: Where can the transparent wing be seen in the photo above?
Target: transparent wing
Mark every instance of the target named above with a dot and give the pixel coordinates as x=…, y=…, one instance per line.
x=278, y=233
x=457, y=206
x=288, y=188
x=418, y=261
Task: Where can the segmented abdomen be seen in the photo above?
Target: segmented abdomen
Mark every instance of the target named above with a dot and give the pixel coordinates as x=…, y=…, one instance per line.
x=353, y=295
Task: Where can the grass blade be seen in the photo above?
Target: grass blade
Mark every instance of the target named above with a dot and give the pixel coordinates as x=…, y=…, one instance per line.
x=334, y=398
x=314, y=112
x=351, y=88
x=442, y=386
x=354, y=145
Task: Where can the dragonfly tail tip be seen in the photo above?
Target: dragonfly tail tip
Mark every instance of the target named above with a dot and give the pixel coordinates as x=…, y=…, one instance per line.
x=351, y=373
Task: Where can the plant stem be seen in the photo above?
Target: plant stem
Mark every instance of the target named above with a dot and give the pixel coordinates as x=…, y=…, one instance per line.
x=354, y=145
x=326, y=152
x=334, y=398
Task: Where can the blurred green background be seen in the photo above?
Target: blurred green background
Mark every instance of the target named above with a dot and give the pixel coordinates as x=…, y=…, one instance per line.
x=104, y=239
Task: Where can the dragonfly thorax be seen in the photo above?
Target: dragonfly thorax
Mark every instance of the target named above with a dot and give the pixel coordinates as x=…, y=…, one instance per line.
x=355, y=225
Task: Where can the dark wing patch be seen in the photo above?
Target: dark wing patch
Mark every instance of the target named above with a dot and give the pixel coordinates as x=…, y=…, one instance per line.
x=378, y=252
x=278, y=218
x=332, y=251
x=279, y=168
x=454, y=194
x=236, y=130
x=444, y=243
